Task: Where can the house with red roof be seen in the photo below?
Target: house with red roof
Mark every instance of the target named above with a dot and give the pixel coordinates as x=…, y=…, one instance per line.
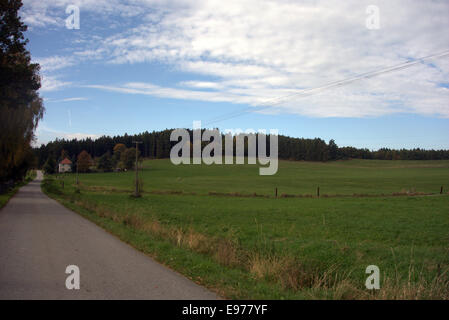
x=65, y=166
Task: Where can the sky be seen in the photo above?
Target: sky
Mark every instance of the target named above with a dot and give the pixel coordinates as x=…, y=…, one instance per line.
x=144, y=65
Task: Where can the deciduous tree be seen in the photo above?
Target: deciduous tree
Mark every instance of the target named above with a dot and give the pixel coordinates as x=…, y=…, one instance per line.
x=21, y=108
x=50, y=166
x=128, y=158
x=105, y=162
x=84, y=161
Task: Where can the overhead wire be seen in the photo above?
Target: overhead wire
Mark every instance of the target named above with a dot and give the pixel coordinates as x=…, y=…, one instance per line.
x=334, y=84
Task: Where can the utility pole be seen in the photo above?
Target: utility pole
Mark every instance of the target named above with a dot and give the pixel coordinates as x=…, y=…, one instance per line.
x=77, y=172
x=136, y=192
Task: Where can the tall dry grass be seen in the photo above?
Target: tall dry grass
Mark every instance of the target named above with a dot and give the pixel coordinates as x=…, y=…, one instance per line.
x=288, y=271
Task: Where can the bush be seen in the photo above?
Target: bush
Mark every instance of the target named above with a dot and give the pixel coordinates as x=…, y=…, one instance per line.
x=49, y=166
x=105, y=163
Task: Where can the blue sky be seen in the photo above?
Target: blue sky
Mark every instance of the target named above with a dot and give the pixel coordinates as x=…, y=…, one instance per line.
x=141, y=65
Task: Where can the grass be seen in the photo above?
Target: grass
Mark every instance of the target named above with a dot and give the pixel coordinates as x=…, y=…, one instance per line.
x=286, y=248
x=4, y=198
x=339, y=177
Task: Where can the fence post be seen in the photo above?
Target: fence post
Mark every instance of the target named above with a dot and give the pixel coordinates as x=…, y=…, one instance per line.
x=441, y=190
x=318, y=192
x=276, y=192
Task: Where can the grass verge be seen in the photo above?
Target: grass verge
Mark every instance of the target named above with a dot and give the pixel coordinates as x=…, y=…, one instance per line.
x=236, y=270
x=4, y=198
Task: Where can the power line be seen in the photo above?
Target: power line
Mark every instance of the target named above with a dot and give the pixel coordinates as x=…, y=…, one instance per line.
x=334, y=84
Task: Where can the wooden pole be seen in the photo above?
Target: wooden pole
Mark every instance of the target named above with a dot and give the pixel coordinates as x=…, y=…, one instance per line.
x=136, y=191
x=318, y=192
x=441, y=190
x=276, y=192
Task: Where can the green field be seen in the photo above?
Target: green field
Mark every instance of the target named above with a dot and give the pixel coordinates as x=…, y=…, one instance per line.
x=207, y=222
x=340, y=177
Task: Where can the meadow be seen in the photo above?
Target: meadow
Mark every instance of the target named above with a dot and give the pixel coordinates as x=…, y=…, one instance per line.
x=340, y=177
x=223, y=226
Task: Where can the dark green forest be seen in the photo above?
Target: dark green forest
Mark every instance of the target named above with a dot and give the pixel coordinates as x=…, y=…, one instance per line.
x=158, y=145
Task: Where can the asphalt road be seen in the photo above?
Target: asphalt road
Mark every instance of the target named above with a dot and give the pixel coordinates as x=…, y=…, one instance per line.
x=39, y=238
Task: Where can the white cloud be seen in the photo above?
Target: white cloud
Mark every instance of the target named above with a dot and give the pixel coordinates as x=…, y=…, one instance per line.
x=52, y=83
x=75, y=99
x=46, y=13
x=256, y=50
x=50, y=68
x=165, y=92
x=45, y=134
x=201, y=84
x=67, y=99
x=53, y=63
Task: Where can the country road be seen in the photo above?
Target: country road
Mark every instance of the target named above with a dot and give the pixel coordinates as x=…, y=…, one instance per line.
x=39, y=238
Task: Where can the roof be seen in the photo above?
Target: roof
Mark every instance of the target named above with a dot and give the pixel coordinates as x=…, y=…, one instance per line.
x=66, y=161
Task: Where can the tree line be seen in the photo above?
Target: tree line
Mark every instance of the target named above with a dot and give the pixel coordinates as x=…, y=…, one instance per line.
x=157, y=145
x=122, y=158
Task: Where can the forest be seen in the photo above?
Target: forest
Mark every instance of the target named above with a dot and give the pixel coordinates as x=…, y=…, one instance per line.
x=157, y=145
